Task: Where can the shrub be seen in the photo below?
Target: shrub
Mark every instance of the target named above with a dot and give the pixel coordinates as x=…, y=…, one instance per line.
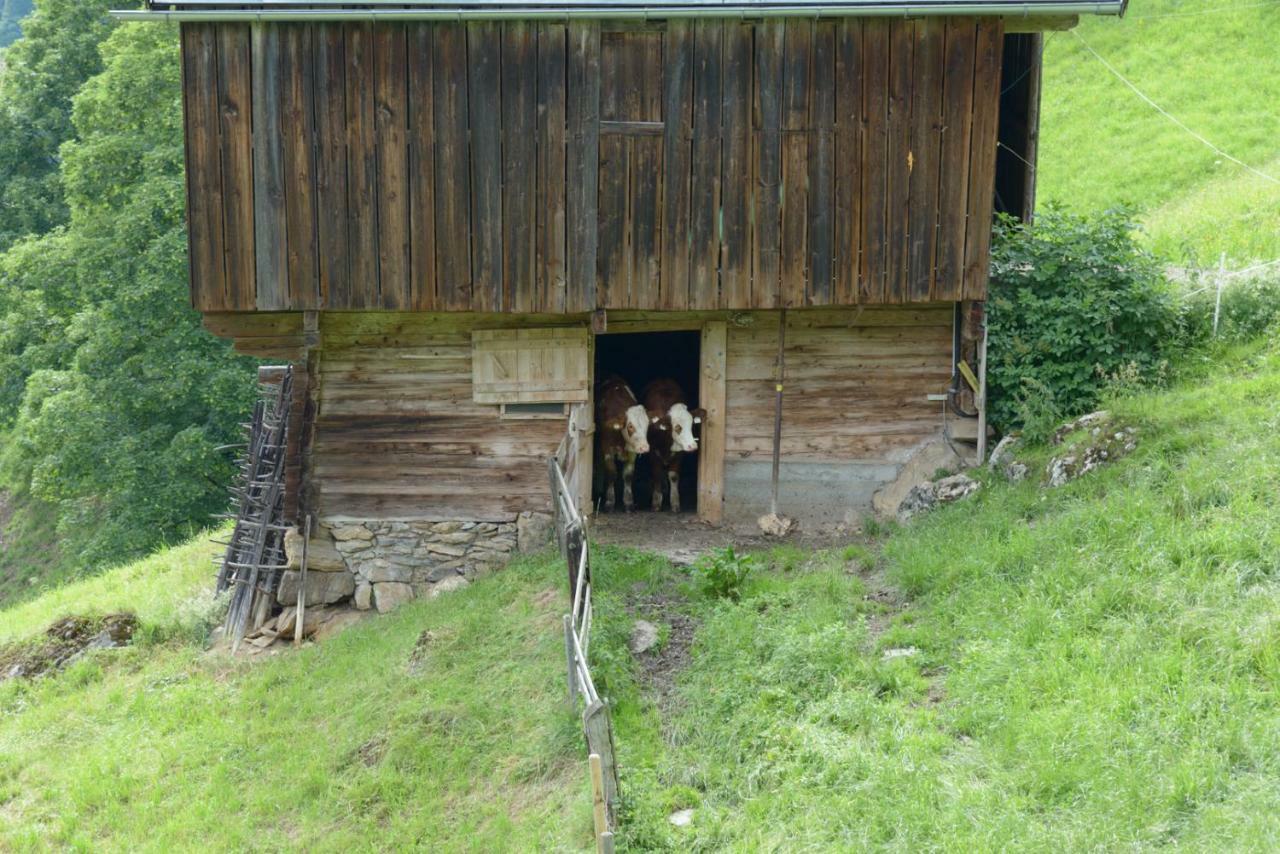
x=724, y=571
x=1074, y=303
x=1250, y=307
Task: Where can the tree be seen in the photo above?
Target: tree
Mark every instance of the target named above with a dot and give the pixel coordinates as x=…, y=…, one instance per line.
x=11, y=13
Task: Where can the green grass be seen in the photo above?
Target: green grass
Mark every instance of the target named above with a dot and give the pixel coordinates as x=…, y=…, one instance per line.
x=1212, y=64
x=1095, y=667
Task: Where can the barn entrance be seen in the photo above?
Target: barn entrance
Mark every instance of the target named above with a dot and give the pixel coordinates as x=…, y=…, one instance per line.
x=640, y=358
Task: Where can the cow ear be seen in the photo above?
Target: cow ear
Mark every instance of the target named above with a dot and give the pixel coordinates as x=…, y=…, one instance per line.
x=698, y=415
x=617, y=426
x=654, y=419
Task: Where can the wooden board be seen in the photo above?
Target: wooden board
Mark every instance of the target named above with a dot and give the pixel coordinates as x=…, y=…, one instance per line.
x=711, y=397
x=530, y=365
x=542, y=167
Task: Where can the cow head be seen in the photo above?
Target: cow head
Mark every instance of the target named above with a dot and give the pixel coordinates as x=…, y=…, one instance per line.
x=682, y=421
x=634, y=426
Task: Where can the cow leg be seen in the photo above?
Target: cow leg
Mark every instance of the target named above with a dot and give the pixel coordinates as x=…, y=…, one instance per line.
x=628, y=475
x=607, y=499
x=673, y=484
x=657, y=479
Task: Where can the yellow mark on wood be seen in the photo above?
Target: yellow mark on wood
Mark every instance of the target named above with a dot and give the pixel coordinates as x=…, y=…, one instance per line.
x=968, y=375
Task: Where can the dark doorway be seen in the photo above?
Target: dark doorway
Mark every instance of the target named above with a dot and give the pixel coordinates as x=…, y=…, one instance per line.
x=639, y=358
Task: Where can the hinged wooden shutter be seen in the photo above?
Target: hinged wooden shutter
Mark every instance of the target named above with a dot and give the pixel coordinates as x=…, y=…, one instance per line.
x=530, y=365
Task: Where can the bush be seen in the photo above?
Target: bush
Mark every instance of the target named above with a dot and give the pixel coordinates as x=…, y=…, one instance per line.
x=1074, y=304
x=724, y=571
x=1250, y=307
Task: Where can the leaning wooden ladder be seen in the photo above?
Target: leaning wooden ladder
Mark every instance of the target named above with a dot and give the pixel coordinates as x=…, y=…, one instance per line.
x=571, y=537
x=255, y=555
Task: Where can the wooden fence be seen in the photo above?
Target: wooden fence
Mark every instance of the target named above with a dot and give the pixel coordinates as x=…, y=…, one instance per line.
x=571, y=537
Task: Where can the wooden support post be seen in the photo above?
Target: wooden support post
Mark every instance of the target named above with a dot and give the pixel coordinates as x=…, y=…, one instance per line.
x=598, y=801
x=711, y=398
x=302, y=582
x=569, y=658
x=599, y=731
x=982, y=397
x=777, y=411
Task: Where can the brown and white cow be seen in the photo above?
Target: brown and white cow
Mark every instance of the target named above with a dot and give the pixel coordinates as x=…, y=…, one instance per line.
x=670, y=437
x=622, y=427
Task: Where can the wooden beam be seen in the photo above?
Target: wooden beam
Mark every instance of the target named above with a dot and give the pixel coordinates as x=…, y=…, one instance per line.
x=712, y=398
x=1016, y=24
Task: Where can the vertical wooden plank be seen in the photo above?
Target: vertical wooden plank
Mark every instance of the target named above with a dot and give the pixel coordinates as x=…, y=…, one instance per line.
x=550, y=264
x=484, y=60
x=982, y=170
x=766, y=282
x=297, y=73
x=926, y=144
x=270, y=229
x=712, y=398
x=796, y=129
x=901, y=57
x=519, y=165
x=422, y=169
x=330, y=103
x=235, y=132
x=613, y=286
x=953, y=167
x=391, y=107
x=645, y=209
x=849, y=129
x=822, y=165
x=583, y=161
x=362, y=166
x=704, y=226
x=677, y=102
x=453, y=197
x=204, y=168
x=736, y=194
x=875, y=160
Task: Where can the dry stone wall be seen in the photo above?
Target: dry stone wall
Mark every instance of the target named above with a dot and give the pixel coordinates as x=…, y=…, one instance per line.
x=384, y=564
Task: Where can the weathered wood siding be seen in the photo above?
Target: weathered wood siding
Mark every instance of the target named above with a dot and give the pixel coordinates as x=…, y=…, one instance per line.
x=545, y=167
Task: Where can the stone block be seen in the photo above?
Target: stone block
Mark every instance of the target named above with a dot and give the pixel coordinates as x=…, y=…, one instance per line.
x=446, y=527
x=457, y=582
x=323, y=588
x=455, y=538
x=379, y=571
x=445, y=549
x=440, y=573
x=344, y=533
x=322, y=554
x=364, y=596
x=391, y=594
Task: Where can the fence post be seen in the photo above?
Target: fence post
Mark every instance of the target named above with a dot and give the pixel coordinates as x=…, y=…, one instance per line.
x=1217, y=301
x=595, y=720
x=572, y=667
x=598, y=800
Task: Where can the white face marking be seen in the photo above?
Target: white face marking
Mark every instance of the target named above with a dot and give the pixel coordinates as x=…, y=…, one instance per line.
x=682, y=428
x=637, y=430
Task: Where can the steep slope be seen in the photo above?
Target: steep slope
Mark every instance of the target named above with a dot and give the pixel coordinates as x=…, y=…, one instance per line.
x=1214, y=66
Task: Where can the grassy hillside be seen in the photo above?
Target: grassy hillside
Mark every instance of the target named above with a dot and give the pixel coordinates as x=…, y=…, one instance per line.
x=1211, y=63
x=1091, y=667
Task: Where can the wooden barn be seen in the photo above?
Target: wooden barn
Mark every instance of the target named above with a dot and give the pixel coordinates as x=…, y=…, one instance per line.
x=453, y=218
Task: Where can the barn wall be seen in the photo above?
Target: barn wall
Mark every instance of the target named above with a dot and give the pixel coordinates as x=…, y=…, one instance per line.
x=545, y=167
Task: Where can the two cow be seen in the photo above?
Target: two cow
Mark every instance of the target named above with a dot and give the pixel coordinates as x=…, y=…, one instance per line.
x=659, y=424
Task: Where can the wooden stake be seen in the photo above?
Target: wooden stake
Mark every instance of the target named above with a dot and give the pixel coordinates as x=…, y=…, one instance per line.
x=982, y=396
x=597, y=790
x=777, y=410
x=572, y=665
x=302, y=581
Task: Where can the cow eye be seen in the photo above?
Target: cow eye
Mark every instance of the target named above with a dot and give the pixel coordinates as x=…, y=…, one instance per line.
x=678, y=428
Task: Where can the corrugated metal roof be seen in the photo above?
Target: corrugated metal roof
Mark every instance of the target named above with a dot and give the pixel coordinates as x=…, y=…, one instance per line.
x=307, y=10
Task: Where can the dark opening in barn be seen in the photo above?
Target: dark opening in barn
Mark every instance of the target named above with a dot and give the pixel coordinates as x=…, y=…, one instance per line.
x=640, y=358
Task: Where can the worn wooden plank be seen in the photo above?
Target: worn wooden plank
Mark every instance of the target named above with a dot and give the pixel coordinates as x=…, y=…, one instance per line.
x=766, y=265
x=677, y=152
x=953, y=176
x=391, y=108
x=797, y=91
x=822, y=165
x=297, y=74
x=236, y=142
x=847, y=228
x=982, y=163
x=484, y=60
x=875, y=161
x=422, y=169
x=204, y=167
x=582, y=162
x=901, y=59
x=453, y=197
x=550, y=263
x=270, y=228
x=332, y=248
x=926, y=146
x=711, y=397
x=736, y=192
x=362, y=166
x=613, y=280
x=519, y=165
x=704, y=226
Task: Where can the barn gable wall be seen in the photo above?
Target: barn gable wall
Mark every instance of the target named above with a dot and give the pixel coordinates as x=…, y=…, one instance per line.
x=557, y=168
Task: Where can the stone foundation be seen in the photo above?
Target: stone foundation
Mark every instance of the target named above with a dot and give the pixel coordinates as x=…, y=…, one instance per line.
x=383, y=564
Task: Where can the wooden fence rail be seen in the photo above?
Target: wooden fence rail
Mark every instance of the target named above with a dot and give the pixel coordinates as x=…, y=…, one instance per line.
x=571, y=537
